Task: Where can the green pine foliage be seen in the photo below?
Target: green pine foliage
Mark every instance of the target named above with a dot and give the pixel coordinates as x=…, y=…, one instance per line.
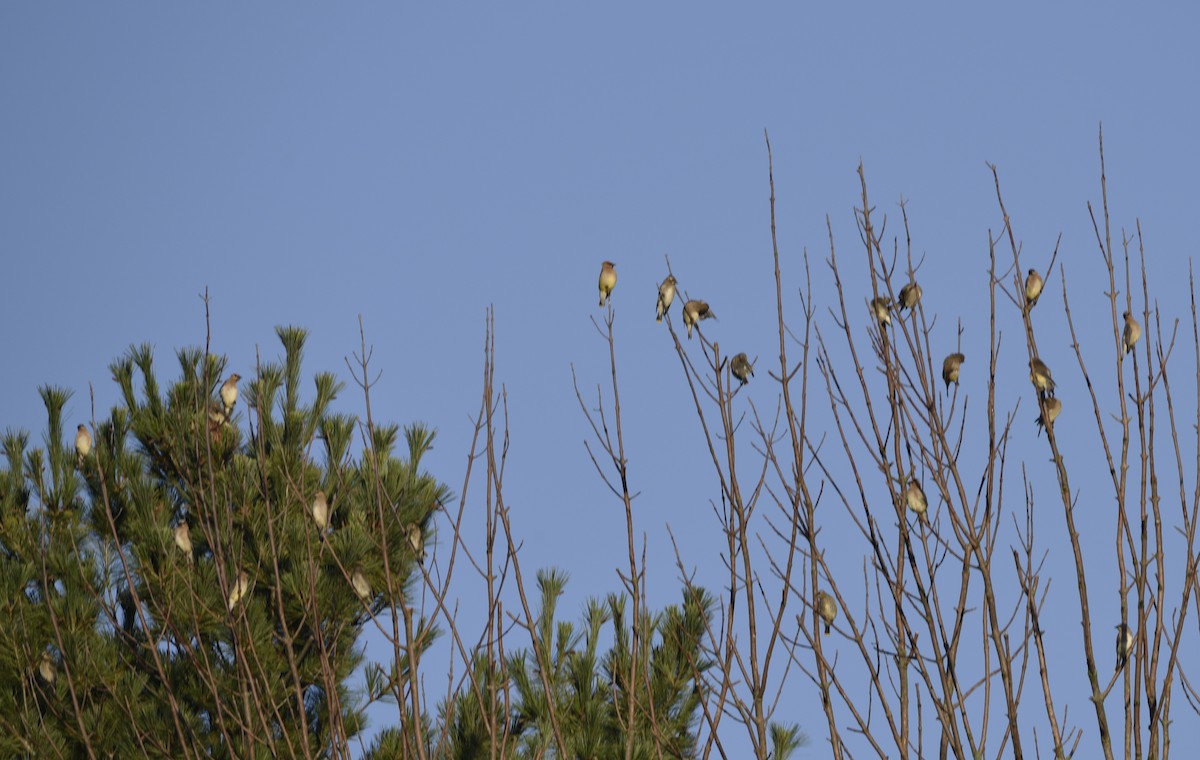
x=566, y=678
x=118, y=643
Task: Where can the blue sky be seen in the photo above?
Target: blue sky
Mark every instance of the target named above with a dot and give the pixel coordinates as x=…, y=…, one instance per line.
x=414, y=165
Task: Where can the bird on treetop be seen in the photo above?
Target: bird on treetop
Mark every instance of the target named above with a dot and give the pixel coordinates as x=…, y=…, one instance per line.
x=608, y=280
x=666, y=294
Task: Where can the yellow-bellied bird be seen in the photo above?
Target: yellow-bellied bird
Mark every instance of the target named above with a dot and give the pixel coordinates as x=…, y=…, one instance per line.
x=183, y=538
x=950, y=367
x=83, y=442
x=910, y=295
x=416, y=541
x=695, y=311
x=1039, y=373
x=360, y=584
x=915, y=497
x=241, y=587
x=47, y=669
x=880, y=308
x=320, y=511
x=229, y=392
x=1133, y=331
x=666, y=294
x=1124, y=644
x=741, y=368
x=1053, y=409
x=1033, y=287
x=827, y=609
x=608, y=280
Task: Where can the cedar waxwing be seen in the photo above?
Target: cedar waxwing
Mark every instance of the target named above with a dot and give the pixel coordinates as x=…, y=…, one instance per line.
x=827, y=609
x=880, y=308
x=83, y=442
x=910, y=296
x=416, y=541
x=217, y=420
x=359, y=582
x=1133, y=331
x=608, y=280
x=183, y=538
x=666, y=294
x=1033, y=287
x=741, y=368
x=1124, y=644
x=47, y=669
x=240, y=588
x=229, y=392
x=216, y=415
x=950, y=367
x=1053, y=409
x=693, y=312
x=320, y=511
x=1039, y=373
x=916, y=498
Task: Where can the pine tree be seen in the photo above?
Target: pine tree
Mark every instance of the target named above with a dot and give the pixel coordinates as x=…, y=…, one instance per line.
x=170, y=594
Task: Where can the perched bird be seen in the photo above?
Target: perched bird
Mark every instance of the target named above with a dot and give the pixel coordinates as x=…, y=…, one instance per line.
x=47, y=669
x=879, y=308
x=950, y=367
x=694, y=312
x=1039, y=373
x=229, y=393
x=1053, y=409
x=320, y=511
x=1133, y=331
x=608, y=280
x=83, y=442
x=183, y=538
x=741, y=368
x=216, y=415
x=240, y=588
x=360, y=584
x=915, y=497
x=416, y=541
x=827, y=609
x=1124, y=644
x=666, y=294
x=1033, y=287
x=910, y=295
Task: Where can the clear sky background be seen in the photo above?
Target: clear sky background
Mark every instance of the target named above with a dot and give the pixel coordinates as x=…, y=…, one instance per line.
x=415, y=164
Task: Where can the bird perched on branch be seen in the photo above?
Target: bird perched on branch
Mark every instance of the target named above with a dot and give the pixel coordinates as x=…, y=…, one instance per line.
x=183, y=539
x=83, y=442
x=1039, y=373
x=416, y=541
x=741, y=368
x=1046, y=418
x=910, y=295
x=229, y=393
x=608, y=280
x=47, y=669
x=950, y=367
x=1124, y=644
x=1033, y=287
x=827, y=609
x=359, y=583
x=1133, y=331
x=320, y=511
x=666, y=294
x=915, y=496
x=695, y=311
x=880, y=308
x=241, y=587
